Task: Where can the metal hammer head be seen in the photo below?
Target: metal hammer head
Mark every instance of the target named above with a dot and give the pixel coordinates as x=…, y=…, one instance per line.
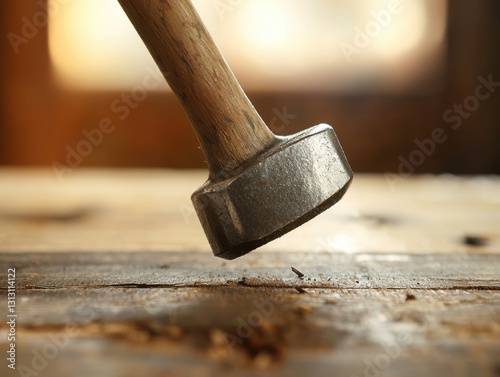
x=287, y=185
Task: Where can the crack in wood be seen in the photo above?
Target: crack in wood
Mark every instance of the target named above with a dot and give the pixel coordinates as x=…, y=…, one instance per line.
x=262, y=285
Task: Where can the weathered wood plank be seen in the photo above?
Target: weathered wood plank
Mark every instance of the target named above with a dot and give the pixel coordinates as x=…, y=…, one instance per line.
x=112, y=269
x=150, y=210
x=261, y=331
x=191, y=313
x=322, y=270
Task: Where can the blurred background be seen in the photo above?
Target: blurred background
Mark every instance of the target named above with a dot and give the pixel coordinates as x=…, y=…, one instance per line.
x=387, y=74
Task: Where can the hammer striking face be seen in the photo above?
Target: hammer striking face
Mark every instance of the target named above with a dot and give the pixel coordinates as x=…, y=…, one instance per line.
x=260, y=185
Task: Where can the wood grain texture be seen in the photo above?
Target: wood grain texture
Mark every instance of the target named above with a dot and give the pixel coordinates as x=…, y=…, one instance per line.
x=273, y=270
x=150, y=210
x=113, y=270
x=168, y=313
x=229, y=129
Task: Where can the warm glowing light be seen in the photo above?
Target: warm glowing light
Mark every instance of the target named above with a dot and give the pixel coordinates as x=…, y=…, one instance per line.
x=94, y=46
x=268, y=25
x=403, y=34
x=270, y=44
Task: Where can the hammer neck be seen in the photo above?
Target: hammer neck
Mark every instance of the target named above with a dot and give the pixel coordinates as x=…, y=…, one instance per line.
x=228, y=128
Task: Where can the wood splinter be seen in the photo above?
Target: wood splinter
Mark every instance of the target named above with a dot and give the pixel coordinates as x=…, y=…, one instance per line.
x=299, y=274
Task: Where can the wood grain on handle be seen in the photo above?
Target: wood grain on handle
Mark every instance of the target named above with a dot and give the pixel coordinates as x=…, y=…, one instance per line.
x=229, y=129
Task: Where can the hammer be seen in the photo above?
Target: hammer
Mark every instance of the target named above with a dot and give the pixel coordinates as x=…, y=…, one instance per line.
x=260, y=185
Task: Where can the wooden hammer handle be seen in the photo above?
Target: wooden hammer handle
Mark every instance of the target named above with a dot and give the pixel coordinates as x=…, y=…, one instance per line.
x=228, y=128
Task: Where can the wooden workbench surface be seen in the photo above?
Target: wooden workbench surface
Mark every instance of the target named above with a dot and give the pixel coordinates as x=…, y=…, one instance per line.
x=114, y=277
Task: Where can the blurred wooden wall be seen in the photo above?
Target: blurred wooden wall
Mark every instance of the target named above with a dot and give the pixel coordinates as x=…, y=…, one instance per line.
x=39, y=120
